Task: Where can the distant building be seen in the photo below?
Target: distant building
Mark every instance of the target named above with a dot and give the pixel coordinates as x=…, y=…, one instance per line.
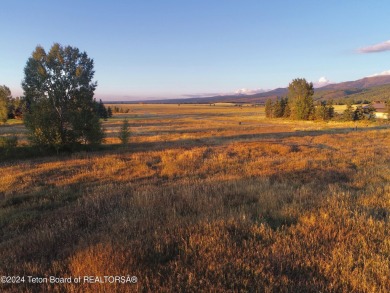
x=380, y=109
x=379, y=106
x=381, y=115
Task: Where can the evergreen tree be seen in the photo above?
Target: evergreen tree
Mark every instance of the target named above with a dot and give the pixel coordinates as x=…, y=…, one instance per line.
x=349, y=114
x=359, y=113
x=109, y=112
x=330, y=109
x=269, y=108
x=278, y=109
x=321, y=111
x=124, y=133
x=287, y=109
x=324, y=111
x=102, y=111
x=369, y=111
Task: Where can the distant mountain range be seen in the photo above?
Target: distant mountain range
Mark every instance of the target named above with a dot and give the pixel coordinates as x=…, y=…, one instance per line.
x=366, y=82
x=368, y=88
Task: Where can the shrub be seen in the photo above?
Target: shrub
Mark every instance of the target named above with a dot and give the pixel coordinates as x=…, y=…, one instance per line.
x=7, y=143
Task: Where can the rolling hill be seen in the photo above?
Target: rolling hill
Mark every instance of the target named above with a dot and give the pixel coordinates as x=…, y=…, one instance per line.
x=368, y=88
x=363, y=83
x=365, y=89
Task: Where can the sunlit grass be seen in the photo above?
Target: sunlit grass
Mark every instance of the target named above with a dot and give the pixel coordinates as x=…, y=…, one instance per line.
x=201, y=202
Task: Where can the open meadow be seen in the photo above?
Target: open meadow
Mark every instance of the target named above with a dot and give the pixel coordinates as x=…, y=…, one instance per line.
x=203, y=199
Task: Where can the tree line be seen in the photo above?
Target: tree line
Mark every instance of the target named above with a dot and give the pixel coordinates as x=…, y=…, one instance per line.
x=299, y=105
x=13, y=108
x=60, y=112
x=10, y=108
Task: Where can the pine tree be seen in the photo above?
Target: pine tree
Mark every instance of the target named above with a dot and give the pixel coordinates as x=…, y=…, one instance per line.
x=109, y=112
x=359, y=113
x=102, y=111
x=369, y=111
x=287, y=109
x=124, y=133
x=349, y=114
x=278, y=109
x=269, y=108
x=330, y=109
x=321, y=111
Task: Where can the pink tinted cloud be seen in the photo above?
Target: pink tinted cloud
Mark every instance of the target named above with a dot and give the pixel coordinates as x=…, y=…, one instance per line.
x=381, y=47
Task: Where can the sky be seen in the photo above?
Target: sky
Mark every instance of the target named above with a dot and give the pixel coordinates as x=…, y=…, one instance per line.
x=153, y=49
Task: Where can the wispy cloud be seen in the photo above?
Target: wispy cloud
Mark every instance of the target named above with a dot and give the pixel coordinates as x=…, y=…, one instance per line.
x=381, y=47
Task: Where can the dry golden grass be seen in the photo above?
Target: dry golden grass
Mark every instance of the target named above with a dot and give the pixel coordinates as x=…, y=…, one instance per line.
x=201, y=202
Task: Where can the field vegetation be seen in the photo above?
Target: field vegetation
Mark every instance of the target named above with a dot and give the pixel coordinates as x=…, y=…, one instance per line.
x=203, y=198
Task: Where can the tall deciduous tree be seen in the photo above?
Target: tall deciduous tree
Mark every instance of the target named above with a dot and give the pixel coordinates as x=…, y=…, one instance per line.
x=58, y=88
x=5, y=98
x=300, y=94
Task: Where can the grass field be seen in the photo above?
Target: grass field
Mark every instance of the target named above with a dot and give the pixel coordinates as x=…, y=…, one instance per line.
x=204, y=199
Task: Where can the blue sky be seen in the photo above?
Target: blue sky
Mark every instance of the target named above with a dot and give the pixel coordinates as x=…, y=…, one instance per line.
x=177, y=48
